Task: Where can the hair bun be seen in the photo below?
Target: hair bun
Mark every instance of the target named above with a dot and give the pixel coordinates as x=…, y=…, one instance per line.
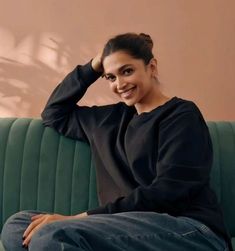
x=147, y=39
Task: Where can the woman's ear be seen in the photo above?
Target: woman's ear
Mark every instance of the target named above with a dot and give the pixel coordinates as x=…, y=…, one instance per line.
x=153, y=67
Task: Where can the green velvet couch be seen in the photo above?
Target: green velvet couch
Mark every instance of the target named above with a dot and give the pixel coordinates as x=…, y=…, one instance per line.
x=42, y=170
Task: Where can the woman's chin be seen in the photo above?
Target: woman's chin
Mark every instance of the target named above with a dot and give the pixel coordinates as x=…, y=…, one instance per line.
x=129, y=102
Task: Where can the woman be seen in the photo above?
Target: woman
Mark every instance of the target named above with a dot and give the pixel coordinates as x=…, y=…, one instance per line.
x=153, y=156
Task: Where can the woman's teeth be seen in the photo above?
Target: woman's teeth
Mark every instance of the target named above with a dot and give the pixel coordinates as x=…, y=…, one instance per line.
x=127, y=93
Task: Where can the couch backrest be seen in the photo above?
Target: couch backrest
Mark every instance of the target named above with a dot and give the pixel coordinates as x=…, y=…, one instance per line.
x=42, y=170
x=223, y=171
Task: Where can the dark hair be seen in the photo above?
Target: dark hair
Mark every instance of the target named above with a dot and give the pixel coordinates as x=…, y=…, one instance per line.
x=138, y=46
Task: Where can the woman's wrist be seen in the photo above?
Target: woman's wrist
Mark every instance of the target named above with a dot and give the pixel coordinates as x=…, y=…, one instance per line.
x=82, y=215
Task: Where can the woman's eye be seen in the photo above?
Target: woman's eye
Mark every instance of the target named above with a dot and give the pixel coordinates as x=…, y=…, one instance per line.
x=128, y=71
x=110, y=78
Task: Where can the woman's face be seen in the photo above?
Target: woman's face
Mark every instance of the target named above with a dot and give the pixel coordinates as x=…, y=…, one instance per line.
x=129, y=77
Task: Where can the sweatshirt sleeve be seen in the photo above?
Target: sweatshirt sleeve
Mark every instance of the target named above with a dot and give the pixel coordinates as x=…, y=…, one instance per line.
x=182, y=169
x=62, y=112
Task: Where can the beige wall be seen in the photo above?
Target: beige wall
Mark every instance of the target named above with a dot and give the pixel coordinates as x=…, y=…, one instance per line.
x=41, y=41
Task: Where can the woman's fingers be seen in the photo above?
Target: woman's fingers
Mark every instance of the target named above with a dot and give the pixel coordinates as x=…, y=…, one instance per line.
x=34, y=228
x=38, y=221
x=31, y=226
x=96, y=63
x=37, y=216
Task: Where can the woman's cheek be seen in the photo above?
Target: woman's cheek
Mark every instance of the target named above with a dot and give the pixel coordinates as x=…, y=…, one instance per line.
x=113, y=87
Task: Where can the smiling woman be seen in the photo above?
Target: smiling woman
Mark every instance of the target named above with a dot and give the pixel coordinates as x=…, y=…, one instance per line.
x=133, y=81
x=153, y=156
x=130, y=67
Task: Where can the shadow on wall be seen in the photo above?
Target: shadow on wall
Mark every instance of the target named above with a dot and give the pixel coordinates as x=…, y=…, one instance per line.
x=40, y=42
x=32, y=66
x=16, y=93
x=29, y=67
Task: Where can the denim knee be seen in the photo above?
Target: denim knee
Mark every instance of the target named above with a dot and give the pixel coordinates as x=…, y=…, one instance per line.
x=14, y=228
x=15, y=219
x=59, y=235
x=42, y=238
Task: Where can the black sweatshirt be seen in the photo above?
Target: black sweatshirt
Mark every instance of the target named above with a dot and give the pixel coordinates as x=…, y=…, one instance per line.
x=156, y=161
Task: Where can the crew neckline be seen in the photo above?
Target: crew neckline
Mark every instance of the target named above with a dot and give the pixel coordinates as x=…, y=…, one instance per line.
x=136, y=115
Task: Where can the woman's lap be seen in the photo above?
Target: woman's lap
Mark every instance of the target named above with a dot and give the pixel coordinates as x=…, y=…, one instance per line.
x=130, y=231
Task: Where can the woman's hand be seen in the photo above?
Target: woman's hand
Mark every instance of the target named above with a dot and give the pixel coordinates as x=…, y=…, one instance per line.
x=96, y=63
x=42, y=219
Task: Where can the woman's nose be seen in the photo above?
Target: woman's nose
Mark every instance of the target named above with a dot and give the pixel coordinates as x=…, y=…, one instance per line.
x=121, y=83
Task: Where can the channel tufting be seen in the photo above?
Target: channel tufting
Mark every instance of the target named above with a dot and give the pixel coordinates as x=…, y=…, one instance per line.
x=5, y=128
x=223, y=171
x=43, y=170
x=13, y=166
x=93, y=200
x=71, y=181
x=216, y=171
x=22, y=163
x=31, y=160
x=38, y=167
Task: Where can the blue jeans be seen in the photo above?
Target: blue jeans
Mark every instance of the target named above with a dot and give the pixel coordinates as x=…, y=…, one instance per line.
x=132, y=231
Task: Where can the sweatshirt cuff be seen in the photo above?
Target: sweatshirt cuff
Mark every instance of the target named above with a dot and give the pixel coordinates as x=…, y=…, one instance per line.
x=88, y=74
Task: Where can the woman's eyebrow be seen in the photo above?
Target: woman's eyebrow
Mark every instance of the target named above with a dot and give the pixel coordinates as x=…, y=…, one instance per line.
x=119, y=69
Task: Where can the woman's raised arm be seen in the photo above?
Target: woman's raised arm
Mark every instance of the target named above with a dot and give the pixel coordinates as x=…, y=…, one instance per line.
x=62, y=112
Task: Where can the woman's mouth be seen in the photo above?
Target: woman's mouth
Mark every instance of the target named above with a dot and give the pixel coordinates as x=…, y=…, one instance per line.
x=128, y=93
